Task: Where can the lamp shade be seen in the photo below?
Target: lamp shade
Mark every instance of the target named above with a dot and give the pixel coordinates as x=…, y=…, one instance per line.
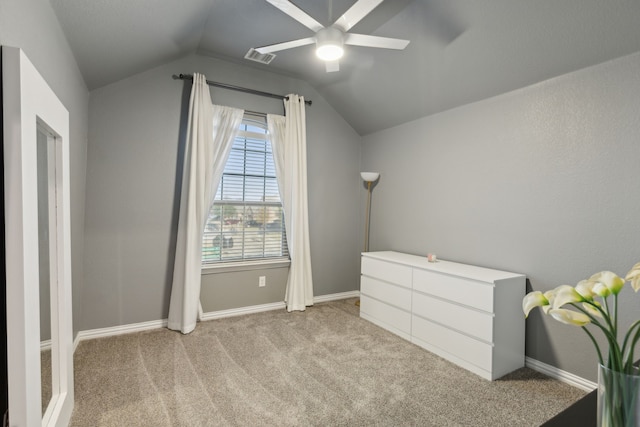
x=370, y=176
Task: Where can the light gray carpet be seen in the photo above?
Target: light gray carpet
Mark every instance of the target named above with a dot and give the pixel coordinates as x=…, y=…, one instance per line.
x=46, y=378
x=323, y=367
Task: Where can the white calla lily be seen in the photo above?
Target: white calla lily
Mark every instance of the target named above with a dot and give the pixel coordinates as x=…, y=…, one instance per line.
x=585, y=288
x=610, y=280
x=566, y=294
x=601, y=290
x=550, y=296
x=533, y=300
x=633, y=276
x=569, y=317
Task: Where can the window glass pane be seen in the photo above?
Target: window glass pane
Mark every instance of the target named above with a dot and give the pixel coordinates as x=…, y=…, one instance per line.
x=246, y=220
x=257, y=129
x=255, y=163
x=238, y=144
x=256, y=145
x=232, y=187
x=271, y=192
x=270, y=168
x=235, y=163
x=274, y=230
x=254, y=189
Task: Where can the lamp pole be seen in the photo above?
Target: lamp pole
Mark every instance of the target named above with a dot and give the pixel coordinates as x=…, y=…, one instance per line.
x=366, y=222
x=369, y=178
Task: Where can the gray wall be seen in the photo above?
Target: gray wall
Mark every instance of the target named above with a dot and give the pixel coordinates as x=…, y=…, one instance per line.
x=136, y=127
x=541, y=181
x=32, y=26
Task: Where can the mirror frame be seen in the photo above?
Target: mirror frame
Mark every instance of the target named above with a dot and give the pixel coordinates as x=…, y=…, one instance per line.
x=29, y=102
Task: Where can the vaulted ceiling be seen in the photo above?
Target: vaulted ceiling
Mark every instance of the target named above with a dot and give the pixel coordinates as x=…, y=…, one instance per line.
x=461, y=51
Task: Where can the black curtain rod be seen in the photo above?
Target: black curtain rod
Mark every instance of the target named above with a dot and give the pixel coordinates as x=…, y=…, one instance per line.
x=238, y=88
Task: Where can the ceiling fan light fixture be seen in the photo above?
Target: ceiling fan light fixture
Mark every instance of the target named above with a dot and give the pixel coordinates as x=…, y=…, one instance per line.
x=329, y=52
x=329, y=42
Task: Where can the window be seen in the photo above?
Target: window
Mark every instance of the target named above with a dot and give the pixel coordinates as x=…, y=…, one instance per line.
x=246, y=221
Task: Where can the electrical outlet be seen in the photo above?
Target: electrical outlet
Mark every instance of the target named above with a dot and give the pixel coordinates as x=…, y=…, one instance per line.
x=262, y=281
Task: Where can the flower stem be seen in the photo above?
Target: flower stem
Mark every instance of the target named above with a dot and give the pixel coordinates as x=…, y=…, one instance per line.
x=629, y=352
x=595, y=343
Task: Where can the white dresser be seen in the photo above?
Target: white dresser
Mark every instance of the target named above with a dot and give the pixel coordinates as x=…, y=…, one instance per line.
x=471, y=316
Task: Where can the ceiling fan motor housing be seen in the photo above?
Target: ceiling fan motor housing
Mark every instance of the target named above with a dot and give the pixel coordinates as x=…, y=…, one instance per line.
x=329, y=44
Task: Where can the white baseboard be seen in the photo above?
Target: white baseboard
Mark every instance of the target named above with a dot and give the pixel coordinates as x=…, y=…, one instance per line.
x=243, y=310
x=273, y=306
x=118, y=330
x=560, y=375
x=157, y=324
x=335, y=297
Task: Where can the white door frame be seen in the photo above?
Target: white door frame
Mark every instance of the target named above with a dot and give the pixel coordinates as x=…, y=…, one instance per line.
x=29, y=103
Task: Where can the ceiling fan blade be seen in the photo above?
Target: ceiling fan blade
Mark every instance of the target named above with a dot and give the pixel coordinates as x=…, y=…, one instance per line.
x=374, y=41
x=298, y=14
x=332, y=66
x=285, y=45
x=359, y=10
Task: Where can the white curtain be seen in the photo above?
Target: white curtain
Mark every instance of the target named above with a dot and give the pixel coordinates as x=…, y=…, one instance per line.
x=211, y=130
x=289, y=143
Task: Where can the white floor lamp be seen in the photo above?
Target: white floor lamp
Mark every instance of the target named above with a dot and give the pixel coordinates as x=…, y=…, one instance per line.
x=369, y=178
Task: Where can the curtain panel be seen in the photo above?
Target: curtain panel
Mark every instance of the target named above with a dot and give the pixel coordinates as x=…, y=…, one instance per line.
x=211, y=130
x=289, y=143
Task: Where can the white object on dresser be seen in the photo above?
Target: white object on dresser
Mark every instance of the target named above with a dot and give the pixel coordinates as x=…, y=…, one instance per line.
x=469, y=315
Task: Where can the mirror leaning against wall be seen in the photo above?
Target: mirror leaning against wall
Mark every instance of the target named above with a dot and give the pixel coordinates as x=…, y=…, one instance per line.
x=38, y=252
x=45, y=152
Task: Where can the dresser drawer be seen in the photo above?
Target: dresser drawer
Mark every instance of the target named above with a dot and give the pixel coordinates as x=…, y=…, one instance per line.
x=467, y=320
x=457, y=289
x=386, y=316
x=387, y=271
x=392, y=294
x=461, y=346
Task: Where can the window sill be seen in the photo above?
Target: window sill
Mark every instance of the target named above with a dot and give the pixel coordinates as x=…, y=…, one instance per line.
x=230, y=267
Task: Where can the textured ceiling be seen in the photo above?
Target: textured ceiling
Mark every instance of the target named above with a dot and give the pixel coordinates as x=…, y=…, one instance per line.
x=461, y=51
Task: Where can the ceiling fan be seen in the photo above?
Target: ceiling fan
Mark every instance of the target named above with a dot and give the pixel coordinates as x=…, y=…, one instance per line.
x=330, y=40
